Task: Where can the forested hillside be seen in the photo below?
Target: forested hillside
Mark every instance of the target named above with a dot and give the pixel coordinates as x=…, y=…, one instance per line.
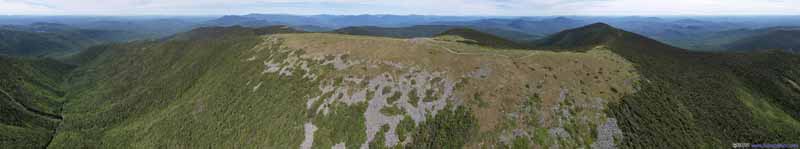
x=31, y=96
x=692, y=99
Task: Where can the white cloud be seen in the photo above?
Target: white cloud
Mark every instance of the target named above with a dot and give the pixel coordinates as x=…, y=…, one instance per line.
x=14, y=7
x=436, y=7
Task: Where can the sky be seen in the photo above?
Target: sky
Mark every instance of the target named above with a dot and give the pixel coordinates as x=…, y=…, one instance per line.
x=402, y=7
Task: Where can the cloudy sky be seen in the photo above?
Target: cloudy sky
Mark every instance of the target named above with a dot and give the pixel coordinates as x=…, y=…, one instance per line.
x=422, y=7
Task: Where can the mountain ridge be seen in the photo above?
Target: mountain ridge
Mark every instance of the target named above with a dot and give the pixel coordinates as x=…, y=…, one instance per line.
x=241, y=86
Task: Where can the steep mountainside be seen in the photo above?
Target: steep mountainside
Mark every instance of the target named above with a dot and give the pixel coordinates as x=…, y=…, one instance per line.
x=30, y=101
x=786, y=40
x=698, y=99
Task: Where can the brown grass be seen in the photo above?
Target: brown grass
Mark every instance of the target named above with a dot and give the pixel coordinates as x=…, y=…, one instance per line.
x=516, y=75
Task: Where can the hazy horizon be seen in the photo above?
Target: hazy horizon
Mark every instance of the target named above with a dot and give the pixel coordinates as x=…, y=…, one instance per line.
x=378, y=14
x=380, y=7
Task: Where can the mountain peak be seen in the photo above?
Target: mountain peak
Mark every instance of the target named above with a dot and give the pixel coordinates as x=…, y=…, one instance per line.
x=593, y=34
x=604, y=34
x=562, y=19
x=599, y=25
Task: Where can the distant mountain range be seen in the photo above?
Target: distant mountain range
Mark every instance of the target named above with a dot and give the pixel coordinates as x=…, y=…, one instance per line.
x=430, y=31
x=541, y=27
x=699, y=34
x=693, y=33
x=338, y=21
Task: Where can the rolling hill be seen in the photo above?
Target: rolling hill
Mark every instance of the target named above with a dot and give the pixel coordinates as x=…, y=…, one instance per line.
x=336, y=21
x=775, y=39
x=721, y=41
x=429, y=31
x=48, y=39
x=405, y=32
